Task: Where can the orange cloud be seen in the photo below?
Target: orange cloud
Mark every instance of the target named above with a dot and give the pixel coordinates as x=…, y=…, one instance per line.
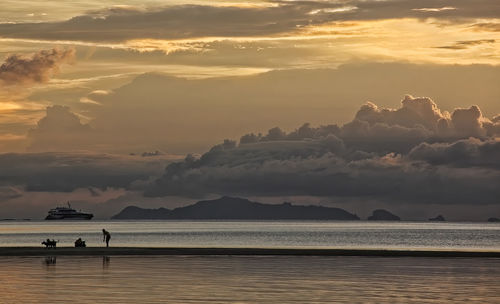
x=37, y=68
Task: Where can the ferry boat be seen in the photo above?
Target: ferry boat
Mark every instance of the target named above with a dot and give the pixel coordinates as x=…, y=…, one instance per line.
x=67, y=213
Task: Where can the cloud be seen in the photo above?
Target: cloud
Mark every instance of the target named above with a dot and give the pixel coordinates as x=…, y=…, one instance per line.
x=418, y=119
x=160, y=112
x=37, y=68
x=278, y=17
x=464, y=153
x=414, y=111
x=396, y=155
x=416, y=154
x=435, y=9
x=492, y=127
x=66, y=172
x=468, y=122
x=171, y=22
x=8, y=192
x=31, y=183
x=59, y=130
x=383, y=137
x=386, y=130
x=272, y=171
x=486, y=27
x=462, y=45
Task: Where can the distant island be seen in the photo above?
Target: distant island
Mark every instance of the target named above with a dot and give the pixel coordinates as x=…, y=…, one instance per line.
x=438, y=218
x=383, y=215
x=233, y=208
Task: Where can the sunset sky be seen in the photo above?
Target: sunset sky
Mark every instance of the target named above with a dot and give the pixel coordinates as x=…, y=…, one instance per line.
x=359, y=104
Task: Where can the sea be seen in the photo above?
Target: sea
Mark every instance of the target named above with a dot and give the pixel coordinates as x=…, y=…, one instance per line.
x=264, y=234
x=252, y=279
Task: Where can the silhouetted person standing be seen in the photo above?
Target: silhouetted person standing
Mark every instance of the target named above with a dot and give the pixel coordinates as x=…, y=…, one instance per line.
x=106, y=236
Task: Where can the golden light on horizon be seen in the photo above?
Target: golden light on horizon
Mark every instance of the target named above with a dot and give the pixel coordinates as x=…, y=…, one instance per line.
x=6, y=106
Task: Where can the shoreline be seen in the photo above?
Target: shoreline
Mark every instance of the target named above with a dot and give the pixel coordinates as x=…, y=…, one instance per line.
x=202, y=251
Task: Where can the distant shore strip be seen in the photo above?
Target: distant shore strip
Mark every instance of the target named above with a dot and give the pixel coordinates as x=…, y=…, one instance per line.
x=130, y=251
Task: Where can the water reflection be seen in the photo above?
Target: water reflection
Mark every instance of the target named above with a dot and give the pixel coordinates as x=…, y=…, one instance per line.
x=250, y=279
x=105, y=262
x=50, y=260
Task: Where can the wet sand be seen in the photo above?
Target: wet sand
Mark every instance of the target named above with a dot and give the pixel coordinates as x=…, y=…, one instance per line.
x=127, y=251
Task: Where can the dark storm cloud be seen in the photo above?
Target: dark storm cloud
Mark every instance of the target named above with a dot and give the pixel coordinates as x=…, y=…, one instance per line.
x=187, y=21
x=270, y=171
x=65, y=172
x=470, y=152
x=383, y=154
x=62, y=130
x=173, y=22
x=37, y=68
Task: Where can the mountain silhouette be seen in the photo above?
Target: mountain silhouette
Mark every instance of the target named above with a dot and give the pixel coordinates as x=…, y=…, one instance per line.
x=233, y=208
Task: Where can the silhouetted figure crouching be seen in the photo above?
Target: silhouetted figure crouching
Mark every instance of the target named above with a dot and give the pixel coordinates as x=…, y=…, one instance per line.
x=106, y=236
x=80, y=243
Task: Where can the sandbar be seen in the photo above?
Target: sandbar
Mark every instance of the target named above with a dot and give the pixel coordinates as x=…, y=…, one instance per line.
x=149, y=251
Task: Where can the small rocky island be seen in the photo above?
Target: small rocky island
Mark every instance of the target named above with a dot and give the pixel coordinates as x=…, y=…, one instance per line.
x=493, y=220
x=383, y=215
x=233, y=208
x=438, y=218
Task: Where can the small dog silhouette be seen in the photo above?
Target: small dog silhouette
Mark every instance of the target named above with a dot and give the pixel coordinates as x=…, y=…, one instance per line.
x=50, y=243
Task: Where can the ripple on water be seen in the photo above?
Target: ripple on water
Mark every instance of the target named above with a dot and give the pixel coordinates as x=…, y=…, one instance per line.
x=249, y=279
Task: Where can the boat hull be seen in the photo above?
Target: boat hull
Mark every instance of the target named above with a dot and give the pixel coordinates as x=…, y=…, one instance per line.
x=85, y=216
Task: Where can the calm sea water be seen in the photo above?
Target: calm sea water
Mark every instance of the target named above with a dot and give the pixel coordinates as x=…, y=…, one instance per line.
x=194, y=279
x=252, y=279
x=272, y=234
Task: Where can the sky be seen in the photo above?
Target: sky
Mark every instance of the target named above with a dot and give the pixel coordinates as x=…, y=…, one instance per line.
x=359, y=104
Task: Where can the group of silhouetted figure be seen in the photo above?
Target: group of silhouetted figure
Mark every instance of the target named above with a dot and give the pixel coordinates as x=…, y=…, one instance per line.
x=106, y=236
x=50, y=243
